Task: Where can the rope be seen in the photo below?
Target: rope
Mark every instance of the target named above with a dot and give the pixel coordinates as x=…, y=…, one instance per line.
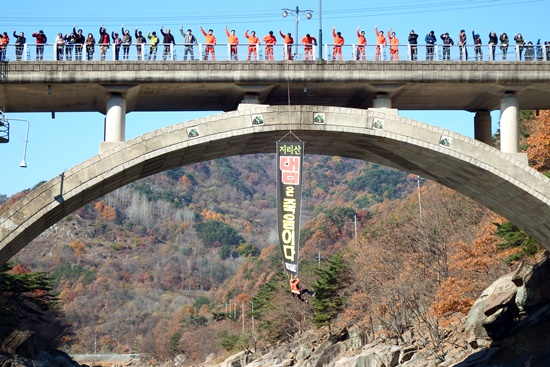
x=289, y=101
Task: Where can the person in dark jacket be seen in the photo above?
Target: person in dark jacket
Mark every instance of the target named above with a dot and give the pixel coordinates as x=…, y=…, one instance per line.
x=413, y=41
x=447, y=43
x=529, y=51
x=168, y=39
x=69, y=46
x=79, y=41
x=462, y=45
x=477, y=45
x=19, y=44
x=90, y=47
x=126, y=42
x=493, y=41
x=504, y=42
x=520, y=43
x=430, y=42
x=140, y=44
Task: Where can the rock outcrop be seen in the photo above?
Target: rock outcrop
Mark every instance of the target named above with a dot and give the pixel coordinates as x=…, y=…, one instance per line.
x=508, y=326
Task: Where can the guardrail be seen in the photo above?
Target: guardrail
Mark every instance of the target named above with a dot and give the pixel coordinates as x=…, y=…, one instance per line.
x=223, y=52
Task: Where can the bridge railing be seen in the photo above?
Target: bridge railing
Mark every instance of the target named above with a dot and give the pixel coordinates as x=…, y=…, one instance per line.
x=223, y=52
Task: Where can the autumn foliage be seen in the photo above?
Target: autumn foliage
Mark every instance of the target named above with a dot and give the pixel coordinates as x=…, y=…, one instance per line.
x=539, y=143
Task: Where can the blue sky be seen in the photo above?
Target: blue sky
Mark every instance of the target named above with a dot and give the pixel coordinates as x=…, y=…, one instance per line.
x=61, y=143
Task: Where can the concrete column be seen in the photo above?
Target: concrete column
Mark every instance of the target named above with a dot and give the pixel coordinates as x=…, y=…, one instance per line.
x=509, y=123
x=115, y=120
x=482, y=127
x=250, y=100
x=382, y=100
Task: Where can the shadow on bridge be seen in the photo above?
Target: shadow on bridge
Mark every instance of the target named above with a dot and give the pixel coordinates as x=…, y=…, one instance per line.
x=485, y=174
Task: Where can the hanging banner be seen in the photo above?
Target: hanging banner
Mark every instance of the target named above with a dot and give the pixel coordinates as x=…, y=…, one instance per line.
x=290, y=156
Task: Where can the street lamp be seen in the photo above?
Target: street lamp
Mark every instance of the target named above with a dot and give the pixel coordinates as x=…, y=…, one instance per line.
x=296, y=14
x=5, y=137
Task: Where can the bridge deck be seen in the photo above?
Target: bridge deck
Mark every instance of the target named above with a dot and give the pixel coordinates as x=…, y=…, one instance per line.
x=221, y=86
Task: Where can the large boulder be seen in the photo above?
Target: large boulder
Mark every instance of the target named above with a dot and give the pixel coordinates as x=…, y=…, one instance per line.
x=516, y=335
x=373, y=355
x=21, y=343
x=532, y=283
x=492, y=314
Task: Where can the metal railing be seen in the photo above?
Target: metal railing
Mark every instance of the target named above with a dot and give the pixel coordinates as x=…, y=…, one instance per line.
x=242, y=52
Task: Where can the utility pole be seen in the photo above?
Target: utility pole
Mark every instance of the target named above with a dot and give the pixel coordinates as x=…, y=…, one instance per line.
x=252, y=315
x=242, y=305
x=419, y=201
x=320, y=43
x=355, y=224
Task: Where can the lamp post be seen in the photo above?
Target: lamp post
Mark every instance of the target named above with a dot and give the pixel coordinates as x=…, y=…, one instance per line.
x=23, y=163
x=320, y=43
x=296, y=14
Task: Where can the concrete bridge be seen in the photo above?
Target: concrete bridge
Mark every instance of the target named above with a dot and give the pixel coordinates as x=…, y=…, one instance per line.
x=491, y=177
x=115, y=88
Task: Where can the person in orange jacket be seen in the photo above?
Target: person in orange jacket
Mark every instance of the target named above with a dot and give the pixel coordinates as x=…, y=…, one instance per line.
x=297, y=291
x=4, y=41
x=308, y=41
x=361, y=42
x=210, y=42
x=253, y=43
x=394, y=46
x=269, y=40
x=233, y=42
x=380, y=42
x=338, y=43
x=289, y=42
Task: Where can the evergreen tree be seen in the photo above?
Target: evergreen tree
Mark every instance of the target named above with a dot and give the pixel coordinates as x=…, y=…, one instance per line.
x=329, y=298
x=516, y=238
x=27, y=302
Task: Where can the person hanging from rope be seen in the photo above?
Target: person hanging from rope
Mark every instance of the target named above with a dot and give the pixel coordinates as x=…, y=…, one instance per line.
x=297, y=291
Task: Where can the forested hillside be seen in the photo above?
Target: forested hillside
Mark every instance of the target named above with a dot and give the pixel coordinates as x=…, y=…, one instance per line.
x=186, y=261
x=124, y=265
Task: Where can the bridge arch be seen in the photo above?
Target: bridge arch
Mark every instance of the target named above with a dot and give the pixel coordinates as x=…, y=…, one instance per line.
x=485, y=174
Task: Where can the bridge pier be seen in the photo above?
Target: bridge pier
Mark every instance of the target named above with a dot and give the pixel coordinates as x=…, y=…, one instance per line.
x=382, y=100
x=509, y=126
x=509, y=123
x=115, y=122
x=482, y=127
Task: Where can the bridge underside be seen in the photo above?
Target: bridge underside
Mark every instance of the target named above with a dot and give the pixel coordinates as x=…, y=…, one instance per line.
x=221, y=86
x=490, y=177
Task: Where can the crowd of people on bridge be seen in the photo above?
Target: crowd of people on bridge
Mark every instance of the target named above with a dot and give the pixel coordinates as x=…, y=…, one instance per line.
x=75, y=44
